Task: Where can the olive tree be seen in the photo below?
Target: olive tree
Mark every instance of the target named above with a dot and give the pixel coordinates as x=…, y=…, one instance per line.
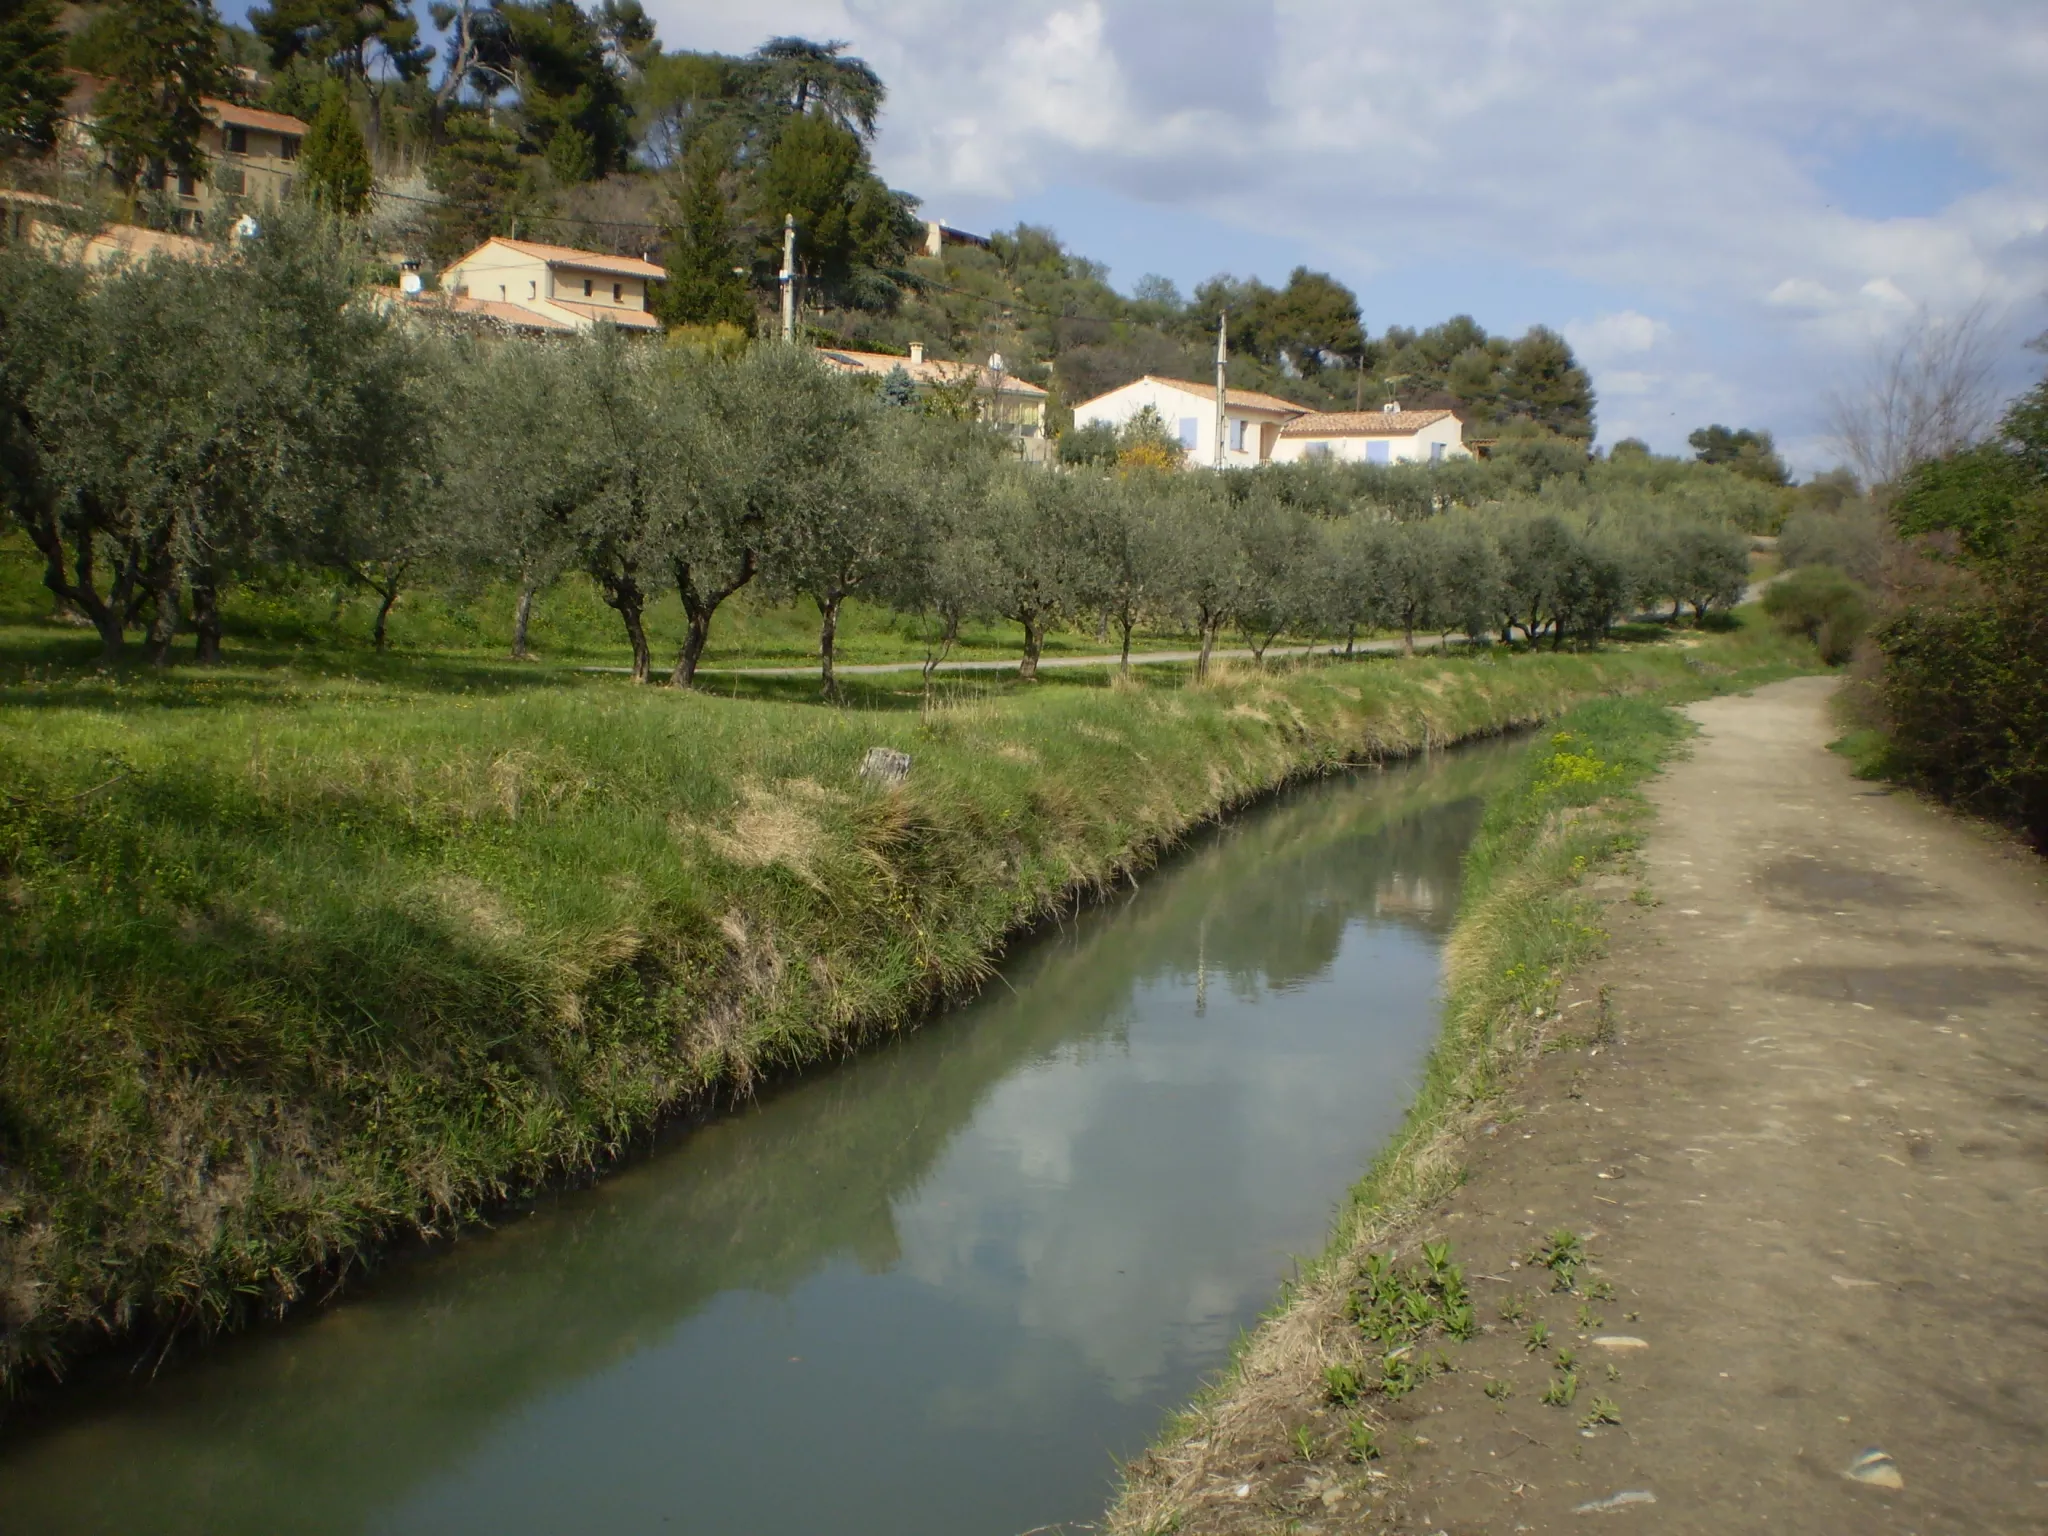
x=841, y=527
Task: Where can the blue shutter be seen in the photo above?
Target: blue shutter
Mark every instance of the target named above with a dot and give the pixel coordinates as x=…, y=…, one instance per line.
x=1190, y=427
x=1376, y=450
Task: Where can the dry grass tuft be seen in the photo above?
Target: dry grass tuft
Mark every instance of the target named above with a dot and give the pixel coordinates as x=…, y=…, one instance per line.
x=770, y=828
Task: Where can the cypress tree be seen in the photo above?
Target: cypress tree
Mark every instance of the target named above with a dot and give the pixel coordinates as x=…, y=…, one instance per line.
x=334, y=163
x=702, y=287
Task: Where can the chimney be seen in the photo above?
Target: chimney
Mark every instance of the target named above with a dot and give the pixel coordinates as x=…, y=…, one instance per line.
x=1391, y=408
x=917, y=354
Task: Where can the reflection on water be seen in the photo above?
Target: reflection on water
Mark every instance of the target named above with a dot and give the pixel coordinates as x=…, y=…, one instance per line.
x=935, y=1289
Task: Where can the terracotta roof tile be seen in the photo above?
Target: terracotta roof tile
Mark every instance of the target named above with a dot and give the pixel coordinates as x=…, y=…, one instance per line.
x=569, y=256
x=253, y=117
x=1362, y=423
x=507, y=314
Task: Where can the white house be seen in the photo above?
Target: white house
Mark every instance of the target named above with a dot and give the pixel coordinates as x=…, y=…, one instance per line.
x=1253, y=424
x=552, y=287
x=1388, y=435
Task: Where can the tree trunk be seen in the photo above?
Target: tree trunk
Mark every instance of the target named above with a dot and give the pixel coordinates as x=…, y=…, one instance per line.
x=828, y=636
x=1350, y=639
x=163, y=618
x=949, y=636
x=1124, y=658
x=522, y=616
x=1102, y=628
x=622, y=592
x=1034, y=641
x=1408, y=637
x=380, y=633
x=1209, y=628
x=206, y=615
x=699, y=607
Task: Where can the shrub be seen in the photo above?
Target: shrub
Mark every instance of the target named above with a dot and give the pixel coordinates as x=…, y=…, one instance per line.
x=1824, y=605
x=1965, y=692
x=1849, y=538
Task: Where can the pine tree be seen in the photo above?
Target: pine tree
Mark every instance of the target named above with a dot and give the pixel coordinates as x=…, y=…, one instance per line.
x=31, y=76
x=334, y=163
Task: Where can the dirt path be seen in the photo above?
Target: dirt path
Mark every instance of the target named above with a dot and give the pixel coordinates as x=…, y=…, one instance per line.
x=1813, y=1166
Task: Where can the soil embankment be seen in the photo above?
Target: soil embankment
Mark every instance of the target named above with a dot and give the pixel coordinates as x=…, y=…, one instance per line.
x=1808, y=1164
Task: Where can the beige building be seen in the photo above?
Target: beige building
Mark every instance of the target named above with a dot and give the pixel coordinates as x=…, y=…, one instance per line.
x=552, y=287
x=252, y=155
x=1014, y=404
x=1388, y=435
x=1252, y=421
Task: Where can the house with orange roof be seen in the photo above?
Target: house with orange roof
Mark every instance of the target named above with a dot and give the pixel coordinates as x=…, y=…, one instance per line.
x=536, y=287
x=251, y=155
x=1016, y=405
x=1388, y=435
x=1252, y=422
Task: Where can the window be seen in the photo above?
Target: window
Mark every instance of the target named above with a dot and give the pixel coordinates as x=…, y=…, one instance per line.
x=188, y=184
x=288, y=147
x=1436, y=453
x=238, y=140
x=1377, y=450
x=1237, y=431
x=618, y=293
x=532, y=289
x=1316, y=451
x=589, y=287
x=233, y=182
x=1190, y=430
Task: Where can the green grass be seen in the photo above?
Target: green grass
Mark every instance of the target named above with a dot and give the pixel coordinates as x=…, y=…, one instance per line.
x=312, y=618
x=316, y=949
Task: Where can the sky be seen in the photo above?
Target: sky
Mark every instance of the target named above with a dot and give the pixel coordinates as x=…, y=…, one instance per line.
x=1726, y=205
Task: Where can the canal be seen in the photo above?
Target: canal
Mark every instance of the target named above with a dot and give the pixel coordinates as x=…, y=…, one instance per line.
x=939, y=1288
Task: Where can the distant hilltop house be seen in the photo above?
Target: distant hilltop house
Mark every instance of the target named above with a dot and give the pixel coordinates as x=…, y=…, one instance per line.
x=550, y=289
x=1013, y=404
x=939, y=235
x=252, y=155
x=1264, y=429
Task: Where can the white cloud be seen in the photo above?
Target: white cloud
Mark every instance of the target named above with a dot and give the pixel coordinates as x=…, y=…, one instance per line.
x=1663, y=156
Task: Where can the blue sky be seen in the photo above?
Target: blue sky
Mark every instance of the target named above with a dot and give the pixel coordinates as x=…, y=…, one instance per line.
x=1727, y=205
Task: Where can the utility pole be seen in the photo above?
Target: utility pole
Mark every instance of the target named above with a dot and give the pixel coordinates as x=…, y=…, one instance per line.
x=1222, y=387
x=789, y=277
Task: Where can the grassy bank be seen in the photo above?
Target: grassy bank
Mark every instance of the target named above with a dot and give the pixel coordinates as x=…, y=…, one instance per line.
x=1524, y=923
x=300, y=958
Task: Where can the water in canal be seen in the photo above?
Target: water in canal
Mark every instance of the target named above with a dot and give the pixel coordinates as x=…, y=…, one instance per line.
x=936, y=1289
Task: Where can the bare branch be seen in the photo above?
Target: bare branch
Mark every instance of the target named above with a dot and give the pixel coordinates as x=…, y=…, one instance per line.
x=1926, y=394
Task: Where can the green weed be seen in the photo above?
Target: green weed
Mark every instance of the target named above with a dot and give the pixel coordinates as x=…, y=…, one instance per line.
x=1603, y=1411
x=1562, y=1389
x=1360, y=1444
x=1498, y=1390
x=1561, y=1253
x=1538, y=1337
x=1304, y=1443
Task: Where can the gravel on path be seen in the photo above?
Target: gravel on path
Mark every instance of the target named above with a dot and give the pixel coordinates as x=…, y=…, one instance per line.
x=1811, y=1162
